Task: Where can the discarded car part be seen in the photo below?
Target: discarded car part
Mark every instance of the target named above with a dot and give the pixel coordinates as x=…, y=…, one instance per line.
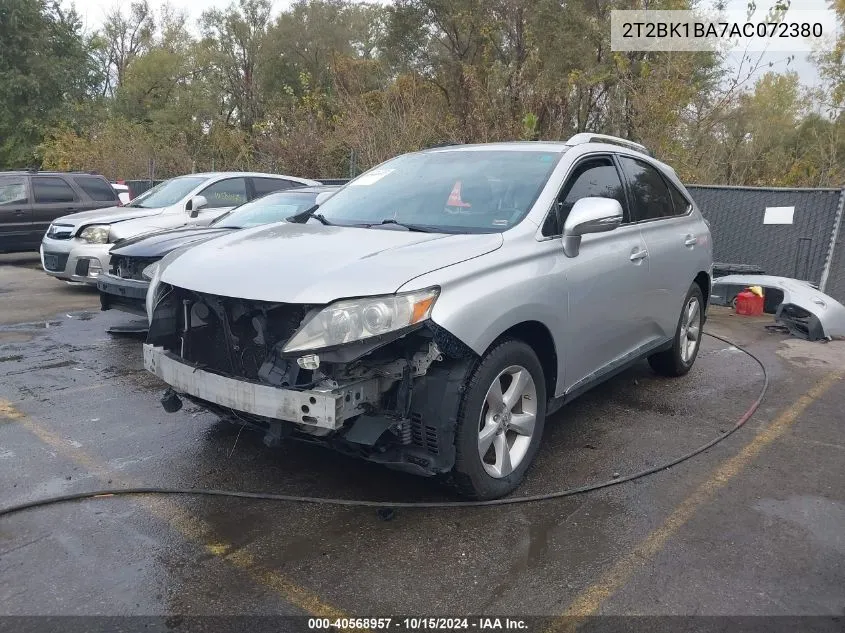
x=722, y=269
x=798, y=305
x=170, y=401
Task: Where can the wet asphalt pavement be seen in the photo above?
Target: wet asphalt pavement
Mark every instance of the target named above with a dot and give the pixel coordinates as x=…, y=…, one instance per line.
x=754, y=526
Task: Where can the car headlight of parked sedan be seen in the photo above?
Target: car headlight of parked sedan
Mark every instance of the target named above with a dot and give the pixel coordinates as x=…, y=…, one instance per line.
x=95, y=234
x=352, y=320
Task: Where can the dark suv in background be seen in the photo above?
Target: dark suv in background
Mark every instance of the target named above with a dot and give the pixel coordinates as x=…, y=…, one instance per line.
x=30, y=201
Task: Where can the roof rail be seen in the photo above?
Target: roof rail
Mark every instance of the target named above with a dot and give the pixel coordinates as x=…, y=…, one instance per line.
x=588, y=137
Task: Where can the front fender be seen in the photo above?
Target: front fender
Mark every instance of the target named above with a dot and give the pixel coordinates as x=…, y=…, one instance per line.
x=482, y=298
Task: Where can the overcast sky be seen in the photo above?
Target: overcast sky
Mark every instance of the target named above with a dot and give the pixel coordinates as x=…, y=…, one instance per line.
x=93, y=12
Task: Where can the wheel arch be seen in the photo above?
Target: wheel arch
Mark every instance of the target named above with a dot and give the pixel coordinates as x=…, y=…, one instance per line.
x=702, y=279
x=537, y=336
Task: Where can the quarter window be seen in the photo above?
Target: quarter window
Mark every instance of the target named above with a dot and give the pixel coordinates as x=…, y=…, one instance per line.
x=97, y=188
x=12, y=191
x=226, y=193
x=593, y=178
x=682, y=205
x=651, y=196
x=263, y=186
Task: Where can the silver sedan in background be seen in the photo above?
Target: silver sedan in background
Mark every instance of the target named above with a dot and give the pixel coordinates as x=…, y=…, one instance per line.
x=76, y=247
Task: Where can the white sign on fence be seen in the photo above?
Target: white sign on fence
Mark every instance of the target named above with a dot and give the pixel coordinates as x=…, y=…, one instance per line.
x=778, y=215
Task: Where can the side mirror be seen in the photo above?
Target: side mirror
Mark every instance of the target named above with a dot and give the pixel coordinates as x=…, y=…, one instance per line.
x=195, y=204
x=589, y=215
x=323, y=196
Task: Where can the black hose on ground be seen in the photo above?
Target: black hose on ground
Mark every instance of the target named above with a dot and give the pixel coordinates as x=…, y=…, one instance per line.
x=265, y=496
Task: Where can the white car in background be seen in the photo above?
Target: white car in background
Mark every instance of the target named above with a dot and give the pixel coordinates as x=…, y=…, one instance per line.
x=122, y=192
x=76, y=247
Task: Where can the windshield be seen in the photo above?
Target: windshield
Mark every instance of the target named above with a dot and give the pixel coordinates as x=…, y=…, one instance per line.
x=453, y=191
x=168, y=192
x=273, y=207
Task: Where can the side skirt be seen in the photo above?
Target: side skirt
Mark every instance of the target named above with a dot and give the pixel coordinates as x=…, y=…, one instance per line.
x=605, y=373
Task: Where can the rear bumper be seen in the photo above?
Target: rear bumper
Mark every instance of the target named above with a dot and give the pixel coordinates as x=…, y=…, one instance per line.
x=73, y=260
x=128, y=295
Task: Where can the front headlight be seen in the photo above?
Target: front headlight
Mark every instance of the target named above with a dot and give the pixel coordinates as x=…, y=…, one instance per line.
x=353, y=320
x=95, y=234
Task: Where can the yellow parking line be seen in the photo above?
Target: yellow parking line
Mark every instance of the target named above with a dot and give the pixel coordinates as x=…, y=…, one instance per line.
x=589, y=601
x=190, y=527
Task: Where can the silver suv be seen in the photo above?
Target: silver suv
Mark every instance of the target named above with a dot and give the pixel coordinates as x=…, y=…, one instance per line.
x=440, y=306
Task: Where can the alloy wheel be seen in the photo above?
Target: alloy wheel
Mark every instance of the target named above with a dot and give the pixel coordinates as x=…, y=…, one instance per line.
x=690, y=329
x=507, y=421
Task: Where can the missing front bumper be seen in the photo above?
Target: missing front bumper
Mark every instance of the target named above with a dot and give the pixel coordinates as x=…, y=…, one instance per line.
x=310, y=408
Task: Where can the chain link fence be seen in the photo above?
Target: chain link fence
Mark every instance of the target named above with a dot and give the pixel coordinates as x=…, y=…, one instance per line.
x=786, y=232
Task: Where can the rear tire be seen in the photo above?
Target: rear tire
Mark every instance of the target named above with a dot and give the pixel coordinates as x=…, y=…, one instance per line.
x=500, y=422
x=679, y=359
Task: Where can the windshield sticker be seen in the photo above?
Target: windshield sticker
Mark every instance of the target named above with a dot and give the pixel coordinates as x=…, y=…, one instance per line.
x=500, y=222
x=370, y=178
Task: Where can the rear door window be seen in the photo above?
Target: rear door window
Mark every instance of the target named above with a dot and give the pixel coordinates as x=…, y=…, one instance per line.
x=97, y=188
x=591, y=178
x=651, y=197
x=13, y=190
x=263, y=186
x=51, y=189
x=225, y=193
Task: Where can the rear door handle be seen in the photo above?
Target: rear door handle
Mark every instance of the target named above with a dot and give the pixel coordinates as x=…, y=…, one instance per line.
x=637, y=255
x=690, y=240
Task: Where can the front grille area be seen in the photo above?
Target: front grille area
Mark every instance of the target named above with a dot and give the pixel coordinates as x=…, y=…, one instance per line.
x=55, y=261
x=130, y=267
x=254, y=329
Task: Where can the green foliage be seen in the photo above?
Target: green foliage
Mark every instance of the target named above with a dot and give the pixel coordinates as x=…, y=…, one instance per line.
x=45, y=68
x=325, y=86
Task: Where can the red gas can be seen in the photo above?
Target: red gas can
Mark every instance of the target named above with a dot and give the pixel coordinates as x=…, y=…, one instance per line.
x=749, y=303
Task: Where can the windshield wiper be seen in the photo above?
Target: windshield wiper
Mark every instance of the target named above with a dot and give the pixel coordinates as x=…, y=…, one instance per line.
x=410, y=227
x=311, y=212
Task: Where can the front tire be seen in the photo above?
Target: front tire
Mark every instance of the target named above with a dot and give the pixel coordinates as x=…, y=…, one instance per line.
x=500, y=422
x=678, y=360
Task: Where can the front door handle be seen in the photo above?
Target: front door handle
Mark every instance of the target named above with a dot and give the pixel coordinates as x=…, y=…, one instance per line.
x=637, y=255
x=690, y=240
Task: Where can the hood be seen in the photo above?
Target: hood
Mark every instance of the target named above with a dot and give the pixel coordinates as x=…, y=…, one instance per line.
x=109, y=215
x=160, y=243
x=312, y=263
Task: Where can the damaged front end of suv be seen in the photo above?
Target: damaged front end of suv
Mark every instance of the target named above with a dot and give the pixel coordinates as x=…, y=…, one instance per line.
x=368, y=377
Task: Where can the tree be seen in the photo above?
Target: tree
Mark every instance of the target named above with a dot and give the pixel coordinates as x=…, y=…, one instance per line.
x=126, y=36
x=236, y=37
x=45, y=69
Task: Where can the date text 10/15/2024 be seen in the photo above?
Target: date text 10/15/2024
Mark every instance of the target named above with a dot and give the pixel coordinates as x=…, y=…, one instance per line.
x=419, y=624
